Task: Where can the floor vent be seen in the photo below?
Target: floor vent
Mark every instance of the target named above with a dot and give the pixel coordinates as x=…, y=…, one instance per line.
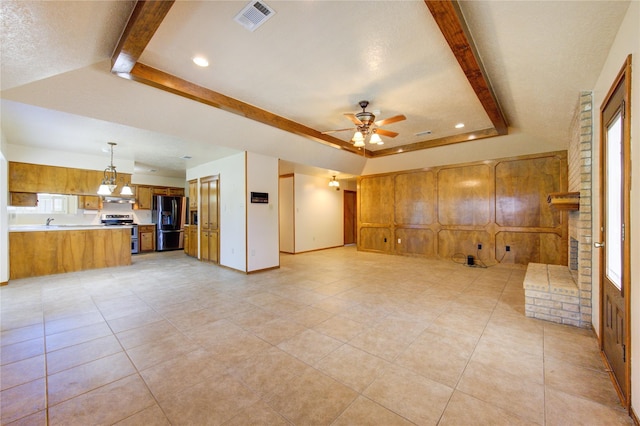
x=253, y=15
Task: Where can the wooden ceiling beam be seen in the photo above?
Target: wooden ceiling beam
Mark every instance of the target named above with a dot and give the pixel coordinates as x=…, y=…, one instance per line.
x=450, y=20
x=142, y=25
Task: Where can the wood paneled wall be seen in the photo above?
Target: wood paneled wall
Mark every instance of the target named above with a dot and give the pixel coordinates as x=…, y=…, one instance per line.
x=447, y=211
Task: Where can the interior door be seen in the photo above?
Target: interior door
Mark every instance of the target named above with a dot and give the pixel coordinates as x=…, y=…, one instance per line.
x=614, y=226
x=349, y=217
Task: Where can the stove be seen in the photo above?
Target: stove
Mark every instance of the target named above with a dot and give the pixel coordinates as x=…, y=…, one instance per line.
x=116, y=219
x=123, y=219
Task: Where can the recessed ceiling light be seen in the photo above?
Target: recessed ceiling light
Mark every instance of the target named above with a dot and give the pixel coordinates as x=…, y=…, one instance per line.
x=201, y=61
x=459, y=125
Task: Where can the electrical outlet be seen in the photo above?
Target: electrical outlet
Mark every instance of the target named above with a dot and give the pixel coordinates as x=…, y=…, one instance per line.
x=508, y=248
x=479, y=246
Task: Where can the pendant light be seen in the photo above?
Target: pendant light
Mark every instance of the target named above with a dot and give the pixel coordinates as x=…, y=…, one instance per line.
x=333, y=183
x=110, y=180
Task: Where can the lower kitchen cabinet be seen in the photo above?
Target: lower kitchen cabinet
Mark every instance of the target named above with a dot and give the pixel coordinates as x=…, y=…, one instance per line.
x=147, y=238
x=193, y=241
x=209, y=246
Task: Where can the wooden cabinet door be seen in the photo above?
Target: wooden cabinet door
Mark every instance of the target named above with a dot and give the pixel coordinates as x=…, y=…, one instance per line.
x=144, y=197
x=177, y=192
x=193, y=194
x=193, y=241
x=213, y=204
x=89, y=202
x=186, y=237
x=204, y=245
x=146, y=241
x=23, y=199
x=213, y=246
x=160, y=191
x=204, y=205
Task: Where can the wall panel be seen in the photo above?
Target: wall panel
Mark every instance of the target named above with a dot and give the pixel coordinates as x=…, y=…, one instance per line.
x=415, y=199
x=445, y=211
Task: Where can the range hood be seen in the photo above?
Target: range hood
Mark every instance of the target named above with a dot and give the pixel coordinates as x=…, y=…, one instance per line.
x=119, y=200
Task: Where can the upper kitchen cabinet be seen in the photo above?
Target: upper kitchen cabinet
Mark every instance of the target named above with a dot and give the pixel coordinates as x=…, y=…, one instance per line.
x=38, y=178
x=145, y=193
x=23, y=199
x=193, y=195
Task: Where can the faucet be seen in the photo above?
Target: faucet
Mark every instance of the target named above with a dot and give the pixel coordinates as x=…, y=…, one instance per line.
x=49, y=220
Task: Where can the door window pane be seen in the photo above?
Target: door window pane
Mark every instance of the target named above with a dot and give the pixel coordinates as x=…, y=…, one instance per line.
x=613, y=234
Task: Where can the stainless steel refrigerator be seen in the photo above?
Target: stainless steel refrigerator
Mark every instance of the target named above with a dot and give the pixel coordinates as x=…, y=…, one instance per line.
x=169, y=214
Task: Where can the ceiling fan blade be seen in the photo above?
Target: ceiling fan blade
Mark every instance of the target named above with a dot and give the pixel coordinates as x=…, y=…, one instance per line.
x=353, y=118
x=338, y=130
x=386, y=133
x=390, y=120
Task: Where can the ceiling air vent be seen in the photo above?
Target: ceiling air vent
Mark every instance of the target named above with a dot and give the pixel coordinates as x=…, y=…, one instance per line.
x=253, y=15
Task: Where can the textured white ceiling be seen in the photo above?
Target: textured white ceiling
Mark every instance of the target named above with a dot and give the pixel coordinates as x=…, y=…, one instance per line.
x=312, y=62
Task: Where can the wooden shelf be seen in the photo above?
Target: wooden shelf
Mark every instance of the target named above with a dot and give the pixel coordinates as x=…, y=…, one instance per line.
x=564, y=200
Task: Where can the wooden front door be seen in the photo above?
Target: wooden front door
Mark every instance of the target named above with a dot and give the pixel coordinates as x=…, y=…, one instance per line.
x=350, y=217
x=614, y=226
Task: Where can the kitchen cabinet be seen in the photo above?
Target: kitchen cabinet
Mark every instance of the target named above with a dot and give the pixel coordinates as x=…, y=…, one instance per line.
x=193, y=241
x=23, y=199
x=34, y=178
x=146, y=238
x=37, y=253
x=186, y=239
x=208, y=219
x=144, y=197
x=89, y=202
x=193, y=195
x=209, y=246
x=145, y=193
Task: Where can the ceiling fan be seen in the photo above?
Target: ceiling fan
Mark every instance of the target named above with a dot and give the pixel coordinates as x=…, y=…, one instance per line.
x=366, y=126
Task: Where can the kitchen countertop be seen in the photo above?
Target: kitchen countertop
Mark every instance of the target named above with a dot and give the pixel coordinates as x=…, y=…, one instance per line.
x=38, y=228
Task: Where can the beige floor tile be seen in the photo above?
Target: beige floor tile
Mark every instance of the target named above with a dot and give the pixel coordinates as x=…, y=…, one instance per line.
x=72, y=322
x=258, y=414
x=118, y=307
x=310, y=346
x=211, y=402
x=23, y=400
x=340, y=328
x=364, y=412
x=170, y=377
x=104, y=405
x=352, y=367
x=76, y=336
x=211, y=334
x=22, y=350
x=278, y=330
x=414, y=397
x=191, y=319
x=505, y=390
x=469, y=320
x=312, y=399
x=250, y=320
x=237, y=348
x=35, y=419
x=18, y=335
x=466, y=410
x=21, y=372
x=86, y=377
x=384, y=344
x=530, y=367
x=151, y=416
x=135, y=320
x=564, y=409
x=311, y=316
x=580, y=381
x=268, y=371
x=163, y=349
x=440, y=357
x=72, y=356
x=578, y=348
x=146, y=334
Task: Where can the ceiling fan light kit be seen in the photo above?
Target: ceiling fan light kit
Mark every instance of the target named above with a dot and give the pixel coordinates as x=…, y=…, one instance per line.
x=367, y=127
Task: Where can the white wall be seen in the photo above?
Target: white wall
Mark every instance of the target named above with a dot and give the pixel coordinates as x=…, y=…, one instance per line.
x=232, y=207
x=4, y=220
x=139, y=179
x=262, y=219
x=627, y=42
x=319, y=221
x=286, y=213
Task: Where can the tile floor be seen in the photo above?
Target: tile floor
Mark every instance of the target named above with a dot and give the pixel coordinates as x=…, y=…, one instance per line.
x=334, y=337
